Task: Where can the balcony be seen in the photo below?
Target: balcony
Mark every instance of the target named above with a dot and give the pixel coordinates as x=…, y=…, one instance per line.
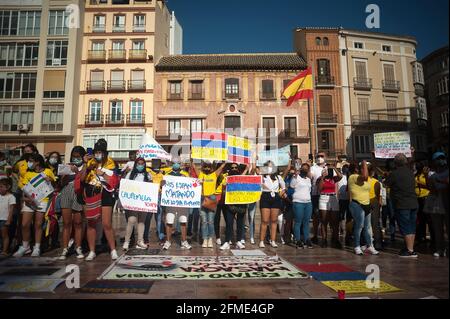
x=267, y=96
x=135, y=119
x=118, y=28
x=196, y=95
x=419, y=90
x=391, y=86
x=137, y=55
x=136, y=85
x=115, y=120
x=116, y=86
x=94, y=120
x=162, y=135
x=325, y=81
x=332, y=154
x=117, y=55
x=175, y=96
x=139, y=28
x=289, y=134
x=95, y=86
x=364, y=84
x=96, y=55
x=231, y=95
x=382, y=121
x=99, y=28
x=327, y=119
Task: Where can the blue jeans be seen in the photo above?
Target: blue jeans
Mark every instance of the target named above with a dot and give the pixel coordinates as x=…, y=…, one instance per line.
x=193, y=220
x=251, y=219
x=207, y=222
x=361, y=223
x=302, y=216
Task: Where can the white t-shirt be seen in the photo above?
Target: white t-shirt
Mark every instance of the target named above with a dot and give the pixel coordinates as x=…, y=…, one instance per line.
x=302, y=187
x=273, y=186
x=140, y=177
x=342, y=189
x=6, y=201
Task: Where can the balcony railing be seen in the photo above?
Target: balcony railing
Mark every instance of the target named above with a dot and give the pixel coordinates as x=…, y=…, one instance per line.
x=135, y=119
x=96, y=55
x=115, y=55
x=381, y=120
x=95, y=86
x=267, y=95
x=118, y=28
x=325, y=81
x=175, y=96
x=116, y=85
x=94, y=120
x=231, y=95
x=98, y=28
x=419, y=90
x=289, y=133
x=115, y=119
x=267, y=133
x=362, y=84
x=332, y=153
x=327, y=118
x=139, y=28
x=169, y=135
x=136, y=85
x=391, y=86
x=196, y=95
x=137, y=55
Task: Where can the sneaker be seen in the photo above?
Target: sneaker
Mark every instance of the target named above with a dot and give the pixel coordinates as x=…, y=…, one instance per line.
x=141, y=245
x=63, y=255
x=185, y=245
x=359, y=251
x=71, y=241
x=22, y=251
x=273, y=244
x=363, y=248
x=114, y=255
x=205, y=243
x=373, y=251
x=243, y=241
x=210, y=243
x=91, y=256
x=167, y=245
x=309, y=244
x=225, y=246
x=252, y=241
x=218, y=242
x=300, y=245
x=240, y=245
x=126, y=245
x=79, y=253
x=36, y=252
x=261, y=244
x=282, y=241
x=408, y=254
x=437, y=255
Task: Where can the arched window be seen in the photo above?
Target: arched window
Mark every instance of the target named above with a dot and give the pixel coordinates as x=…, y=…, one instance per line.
x=318, y=41
x=326, y=41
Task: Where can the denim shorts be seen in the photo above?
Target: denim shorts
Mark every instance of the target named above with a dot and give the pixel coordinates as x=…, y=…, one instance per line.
x=406, y=219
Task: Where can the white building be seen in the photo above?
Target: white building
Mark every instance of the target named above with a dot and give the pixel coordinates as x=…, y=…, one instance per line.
x=176, y=36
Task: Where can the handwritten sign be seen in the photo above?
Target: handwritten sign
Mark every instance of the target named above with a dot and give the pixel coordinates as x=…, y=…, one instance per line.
x=280, y=157
x=150, y=149
x=181, y=192
x=211, y=146
x=38, y=188
x=359, y=287
x=388, y=145
x=139, y=196
x=64, y=170
x=243, y=189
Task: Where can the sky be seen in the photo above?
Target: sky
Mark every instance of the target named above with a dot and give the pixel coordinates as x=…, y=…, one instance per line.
x=250, y=26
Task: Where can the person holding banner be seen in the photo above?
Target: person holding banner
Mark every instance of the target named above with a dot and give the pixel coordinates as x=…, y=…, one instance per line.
x=157, y=177
x=208, y=178
x=32, y=210
x=139, y=173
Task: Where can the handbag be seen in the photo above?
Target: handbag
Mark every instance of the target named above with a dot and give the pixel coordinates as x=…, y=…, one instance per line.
x=209, y=203
x=93, y=205
x=238, y=209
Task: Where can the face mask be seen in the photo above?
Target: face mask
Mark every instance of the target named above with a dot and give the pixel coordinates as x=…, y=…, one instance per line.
x=233, y=172
x=2, y=163
x=176, y=167
x=270, y=169
x=98, y=158
x=53, y=161
x=303, y=174
x=30, y=165
x=442, y=162
x=320, y=160
x=140, y=168
x=77, y=161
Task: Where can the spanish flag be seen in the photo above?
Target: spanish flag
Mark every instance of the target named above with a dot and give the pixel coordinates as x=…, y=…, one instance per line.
x=300, y=88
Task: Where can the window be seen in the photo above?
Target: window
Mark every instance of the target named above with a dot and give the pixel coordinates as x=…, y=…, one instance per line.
x=57, y=22
x=137, y=79
x=117, y=80
x=136, y=110
x=391, y=106
x=118, y=45
x=196, y=125
x=358, y=45
x=326, y=104
x=326, y=42
x=196, y=89
x=13, y=116
x=175, y=89
x=294, y=151
x=52, y=118
x=233, y=123
x=139, y=23
x=421, y=105
x=326, y=142
x=387, y=48
x=443, y=85
x=54, y=84
x=268, y=126
x=362, y=144
x=116, y=111
x=95, y=111
x=363, y=108
x=267, y=89
x=138, y=45
x=98, y=46
x=361, y=70
x=118, y=144
x=389, y=73
x=119, y=23
x=19, y=54
x=57, y=53
x=232, y=88
x=444, y=119
x=290, y=127
x=285, y=85
x=418, y=73
x=174, y=127
x=99, y=23
x=25, y=23
x=318, y=41
x=17, y=85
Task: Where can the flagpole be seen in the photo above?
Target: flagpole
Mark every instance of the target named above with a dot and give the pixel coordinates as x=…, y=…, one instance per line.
x=316, y=144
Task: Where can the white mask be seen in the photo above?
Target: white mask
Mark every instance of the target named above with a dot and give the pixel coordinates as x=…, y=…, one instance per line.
x=320, y=160
x=270, y=169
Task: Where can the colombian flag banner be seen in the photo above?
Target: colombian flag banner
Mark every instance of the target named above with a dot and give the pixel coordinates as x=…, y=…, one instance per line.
x=239, y=150
x=243, y=189
x=300, y=88
x=209, y=146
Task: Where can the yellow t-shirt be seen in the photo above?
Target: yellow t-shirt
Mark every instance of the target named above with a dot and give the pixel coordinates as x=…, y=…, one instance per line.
x=372, y=181
x=219, y=189
x=209, y=183
x=30, y=175
x=157, y=177
x=357, y=192
x=420, y=191
x=21, y=167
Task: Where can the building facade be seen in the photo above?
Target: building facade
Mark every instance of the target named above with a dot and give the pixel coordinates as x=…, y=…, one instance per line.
x=382, y=89
x=235, y=93
x=320, y=48
x=122, y=42
x=176, y=36
x=436, y=86
x=40, y=47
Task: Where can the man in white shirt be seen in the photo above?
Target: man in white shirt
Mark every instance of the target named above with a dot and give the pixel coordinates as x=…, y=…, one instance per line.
x=316, y=172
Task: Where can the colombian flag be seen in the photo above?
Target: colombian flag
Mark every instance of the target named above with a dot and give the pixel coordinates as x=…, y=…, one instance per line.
x=243, y=189
x=300, y=88
x=239, y=150
x=210, y=146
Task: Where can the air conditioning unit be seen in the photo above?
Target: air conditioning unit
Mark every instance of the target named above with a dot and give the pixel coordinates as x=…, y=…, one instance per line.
x=23, y=127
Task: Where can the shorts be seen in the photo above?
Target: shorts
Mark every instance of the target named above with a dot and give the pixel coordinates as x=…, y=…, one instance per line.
x=69, y=199
x=178, y=212
x=406, y=219
x=41, y=209
x=108, y=199
x=269, y=202
x=328, y=203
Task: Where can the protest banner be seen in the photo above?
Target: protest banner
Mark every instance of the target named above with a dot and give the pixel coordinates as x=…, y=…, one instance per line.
x=359, y=287
x=201, y=268
x=181, y=192
x=38, y=188
x=138, y=196
x=239, y=150
x=209, y=146
x=150, y=149
x=243, y=189
x=64, y=170
x=387, y=145
x=280, y=157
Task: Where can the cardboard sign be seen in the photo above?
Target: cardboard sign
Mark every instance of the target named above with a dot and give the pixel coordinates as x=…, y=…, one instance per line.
x=388, y=145
x=139, y=196
x=243, y=189
x=209, y=146
x=181, y=192
x=38, y=188
x=280, y=157
x=239, y=150
x=359, y=287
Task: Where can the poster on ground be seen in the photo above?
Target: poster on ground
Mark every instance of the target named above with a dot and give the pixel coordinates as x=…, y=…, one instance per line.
x=181, y=192
x=280, y=157
x=388, y=145
x=139, y=196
